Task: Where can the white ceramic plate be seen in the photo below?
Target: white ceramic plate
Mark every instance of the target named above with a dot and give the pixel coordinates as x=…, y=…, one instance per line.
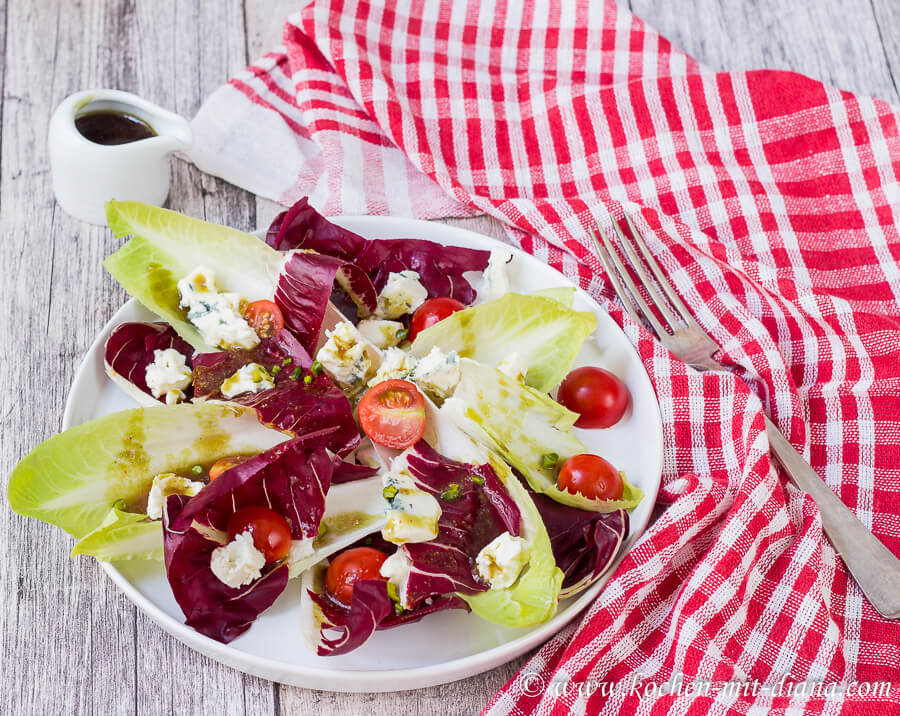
x=442, y=647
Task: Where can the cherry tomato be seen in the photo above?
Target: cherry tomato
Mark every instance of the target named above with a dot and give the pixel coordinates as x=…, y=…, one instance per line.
x=432, y=311
x=349, y=567
x=264, y=317
x=592, y=476
x=271, y=534
x=225, y=463
x=392, y=413
x=598, y=395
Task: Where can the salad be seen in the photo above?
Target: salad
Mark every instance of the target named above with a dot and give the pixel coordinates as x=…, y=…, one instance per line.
x=371, y=417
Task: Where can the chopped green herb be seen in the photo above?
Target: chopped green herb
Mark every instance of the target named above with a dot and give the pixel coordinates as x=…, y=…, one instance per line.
x=451, y=493
x=389, y=492
x=397, y=608
x=477, y=479
x=316, y=368
x=549, y=460
x=402, y=334
x=197, y=469
x=307, y=379
x=297, y=372
x=393, y=593
x=287, y=361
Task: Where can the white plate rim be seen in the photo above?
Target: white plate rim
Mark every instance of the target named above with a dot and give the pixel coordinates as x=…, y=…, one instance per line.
x=373, y=681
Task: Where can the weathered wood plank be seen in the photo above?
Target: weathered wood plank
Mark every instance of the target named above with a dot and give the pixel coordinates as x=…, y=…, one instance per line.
x=834, y=41
x=887, y=16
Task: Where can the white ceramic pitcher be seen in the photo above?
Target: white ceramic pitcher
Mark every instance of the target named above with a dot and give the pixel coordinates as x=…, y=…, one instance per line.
x=87, y=174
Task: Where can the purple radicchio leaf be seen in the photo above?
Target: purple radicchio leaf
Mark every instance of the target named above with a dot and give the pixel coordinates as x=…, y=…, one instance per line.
x=440, y=268
x=291, y=479
x=130, y=349
x=371, y=608
x=305, y=287
x=476, y=514
x=293, y=405
x=584, y=542
x=348, y=472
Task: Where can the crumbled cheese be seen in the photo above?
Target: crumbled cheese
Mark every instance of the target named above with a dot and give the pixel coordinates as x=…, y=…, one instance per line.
x=514, y=366
x=381, y=334
x=403, y=293
x=238, y=562
x=300, y=549
x=501, y=560
x=395, y=569
x=165, y=484
x=345, y=356
x=438, y=373
x=395, y=364
x=495, y=281
x=412, y=514
x=168, y=375
x=217, y=316
x=251, y=378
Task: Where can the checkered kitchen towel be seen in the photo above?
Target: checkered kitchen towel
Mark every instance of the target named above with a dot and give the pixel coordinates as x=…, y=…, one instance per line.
x=772, y=202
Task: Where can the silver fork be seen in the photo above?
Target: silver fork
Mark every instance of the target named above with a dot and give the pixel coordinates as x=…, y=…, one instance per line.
x=875, y=568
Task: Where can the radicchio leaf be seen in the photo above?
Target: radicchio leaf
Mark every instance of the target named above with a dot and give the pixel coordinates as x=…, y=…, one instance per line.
x=304, y=290
x=480, y=510
x=584, y=542
x=440, y=268
x=292, y=478
x=130, y=349
x=293, y=405
x=371, y=608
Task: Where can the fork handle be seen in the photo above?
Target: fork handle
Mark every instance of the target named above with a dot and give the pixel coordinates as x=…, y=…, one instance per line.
x=873, y=566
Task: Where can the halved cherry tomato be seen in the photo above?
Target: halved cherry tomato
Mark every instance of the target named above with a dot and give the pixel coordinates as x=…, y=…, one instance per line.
x=349, y=567
x=264, y=317
x=432, y=311
x=596, y=394
x=592, y=476
x=271, y=534
x=225, y=463
x=392, y=413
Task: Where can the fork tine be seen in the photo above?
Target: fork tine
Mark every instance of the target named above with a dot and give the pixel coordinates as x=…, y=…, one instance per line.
x=660, y=276
x=623, y=295
x=635, y=294
x=646, y=278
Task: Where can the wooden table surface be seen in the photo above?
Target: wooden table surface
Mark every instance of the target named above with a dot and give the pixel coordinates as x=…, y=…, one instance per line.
x=71, y=642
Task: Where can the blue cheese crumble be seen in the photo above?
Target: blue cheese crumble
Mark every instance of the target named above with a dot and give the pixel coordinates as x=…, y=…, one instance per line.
x=165, y=484
x=500, y=562
x=345, y=357
x=251, y=378
x=495, y=281
x=168, y=375
x=238, y=562
x=437, y=373
x=396, y=364
x=403, y=293
x=380, y=333
x=216, y=315
x=412, y=514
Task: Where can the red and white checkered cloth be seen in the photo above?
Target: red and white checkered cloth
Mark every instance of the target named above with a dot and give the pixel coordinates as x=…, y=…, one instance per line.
x=772, y=202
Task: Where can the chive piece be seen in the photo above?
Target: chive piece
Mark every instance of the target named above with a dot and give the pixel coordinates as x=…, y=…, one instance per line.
x=276, y=369
x=549, y=460
x=477, y=479
x=402, y=334
x=397, y=608
x=287, y=361
x=197, y=469
x=298, y=371
x=393, y=593
x=451, y=493
x=389, y=492
x=316, y=368
x=307, y=379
